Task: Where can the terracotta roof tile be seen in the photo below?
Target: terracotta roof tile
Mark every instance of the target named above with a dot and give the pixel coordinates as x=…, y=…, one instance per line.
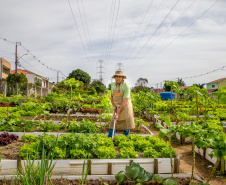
x=219, y=80
x=19, y=71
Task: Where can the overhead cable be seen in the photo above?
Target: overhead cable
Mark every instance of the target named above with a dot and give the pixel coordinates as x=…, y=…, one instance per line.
x=176, y=37
x=79, y=34
x=156, y=29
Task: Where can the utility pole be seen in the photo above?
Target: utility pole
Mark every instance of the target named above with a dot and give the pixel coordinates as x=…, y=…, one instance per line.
x=119, y=67
x=58, y=76
x=101, y=72
x=16, y=84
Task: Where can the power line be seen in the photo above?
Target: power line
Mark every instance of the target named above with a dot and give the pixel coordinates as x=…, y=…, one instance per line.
x=27, y=50
x=222, y=68
x=86, y=37
x=6, y=40
x=87, y=27
x=139, y=26
x=174, y=79
x=176, y=37
x=33, y=67
x=172, y=24
x=156, y=29
x=139, y=39
x=79, y=33
x=113, y=35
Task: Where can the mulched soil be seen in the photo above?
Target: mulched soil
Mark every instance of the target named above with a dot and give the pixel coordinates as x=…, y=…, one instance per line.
x=184, y=181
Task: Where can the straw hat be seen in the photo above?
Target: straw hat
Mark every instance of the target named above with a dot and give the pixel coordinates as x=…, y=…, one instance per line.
x=119, y=73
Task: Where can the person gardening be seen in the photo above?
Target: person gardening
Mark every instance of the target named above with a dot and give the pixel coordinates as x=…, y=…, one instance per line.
x=121, y=101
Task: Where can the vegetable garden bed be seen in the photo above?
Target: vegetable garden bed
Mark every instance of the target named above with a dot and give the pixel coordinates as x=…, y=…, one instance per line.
x=204, y=152
x=107, y=156
x=183, y=179
x=98, y=166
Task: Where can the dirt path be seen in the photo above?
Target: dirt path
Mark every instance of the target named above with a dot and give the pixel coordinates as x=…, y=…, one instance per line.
x=201, y=166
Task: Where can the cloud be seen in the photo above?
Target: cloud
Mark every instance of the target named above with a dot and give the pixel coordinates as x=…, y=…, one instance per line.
x=173, y=50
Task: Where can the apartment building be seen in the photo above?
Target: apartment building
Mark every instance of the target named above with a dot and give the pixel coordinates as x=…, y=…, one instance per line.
x=5, y=68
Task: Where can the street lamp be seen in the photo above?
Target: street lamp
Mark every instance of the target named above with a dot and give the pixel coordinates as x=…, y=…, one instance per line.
x=16, y=63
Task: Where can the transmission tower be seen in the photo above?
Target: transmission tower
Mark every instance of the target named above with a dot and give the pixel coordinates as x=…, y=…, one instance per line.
x=100, y=67
x=119, y=67
x=58, y=71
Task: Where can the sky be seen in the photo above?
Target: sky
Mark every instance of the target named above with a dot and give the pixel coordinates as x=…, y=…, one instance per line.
x=154, y=39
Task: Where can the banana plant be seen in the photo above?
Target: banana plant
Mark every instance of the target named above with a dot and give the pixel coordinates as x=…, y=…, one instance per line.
x=168, y=133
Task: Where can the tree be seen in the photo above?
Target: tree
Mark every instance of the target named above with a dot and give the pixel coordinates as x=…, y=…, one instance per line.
x=166, y=87
x=201, y=86
x=62, y=86
x=99, y=86
x=21, y=79
x=140, y=85
x=109, y=86
x=142, y=82
x=140, y=88
x=80, y=75
x=180, y=82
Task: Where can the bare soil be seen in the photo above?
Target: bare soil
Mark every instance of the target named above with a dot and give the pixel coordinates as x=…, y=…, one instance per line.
x=184, y=181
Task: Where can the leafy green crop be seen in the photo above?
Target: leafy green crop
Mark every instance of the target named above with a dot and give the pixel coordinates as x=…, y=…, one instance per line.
x=137, y=174
x=28, y=138
x=121, y=177
x=104, y=152
x=85, y=126
x=127, y=153
x=171, y=181
x=80, y=154
x=165, y=153
x=150, y=153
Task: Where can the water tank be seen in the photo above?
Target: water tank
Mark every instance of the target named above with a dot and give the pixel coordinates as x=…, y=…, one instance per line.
x=166, y=95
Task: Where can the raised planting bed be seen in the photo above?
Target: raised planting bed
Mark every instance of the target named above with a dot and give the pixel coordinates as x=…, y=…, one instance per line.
x=106, y=156
x=204, y=152
x=98, y=166
x=77, y=124
x=57, y=134
x=178, y=136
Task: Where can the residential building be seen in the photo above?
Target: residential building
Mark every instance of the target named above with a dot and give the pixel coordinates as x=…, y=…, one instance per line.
x=5, y=68
x=216, y=84
x=41, y=84
x=157, y=91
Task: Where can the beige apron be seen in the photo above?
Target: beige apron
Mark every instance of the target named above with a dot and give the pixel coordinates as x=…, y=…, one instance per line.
x=125, y=119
